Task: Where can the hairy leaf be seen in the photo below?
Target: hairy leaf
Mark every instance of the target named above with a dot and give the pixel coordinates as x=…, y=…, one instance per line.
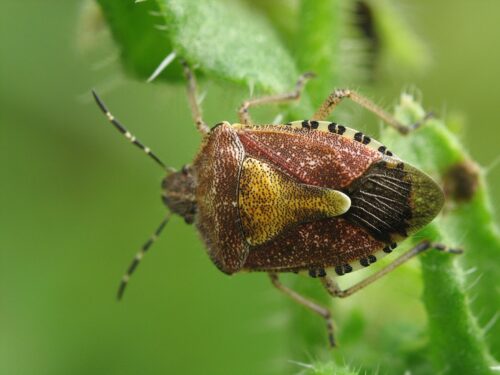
x=222, y=39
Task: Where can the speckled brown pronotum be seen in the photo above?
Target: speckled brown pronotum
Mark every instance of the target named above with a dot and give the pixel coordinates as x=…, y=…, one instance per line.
x=309, y=196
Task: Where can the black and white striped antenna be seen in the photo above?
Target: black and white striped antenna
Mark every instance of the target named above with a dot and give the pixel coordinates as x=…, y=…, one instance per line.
x=140, y=254
x=125, y=132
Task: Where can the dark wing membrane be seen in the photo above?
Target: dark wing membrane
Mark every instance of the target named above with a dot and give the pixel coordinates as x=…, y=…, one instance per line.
x=381, y=201
x=393, y=200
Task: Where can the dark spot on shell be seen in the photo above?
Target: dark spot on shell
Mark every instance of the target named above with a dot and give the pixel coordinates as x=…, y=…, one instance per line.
x=339, y=270
x=332, y=127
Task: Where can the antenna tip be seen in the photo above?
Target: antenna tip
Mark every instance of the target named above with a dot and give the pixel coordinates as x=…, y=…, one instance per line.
x=121, y=289
x=99, y=102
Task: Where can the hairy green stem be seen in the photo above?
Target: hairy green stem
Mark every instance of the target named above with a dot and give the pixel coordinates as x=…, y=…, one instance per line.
x=456, y=342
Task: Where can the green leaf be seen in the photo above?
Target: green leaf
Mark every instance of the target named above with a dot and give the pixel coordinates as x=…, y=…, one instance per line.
x=135, y=28
x=222, y=39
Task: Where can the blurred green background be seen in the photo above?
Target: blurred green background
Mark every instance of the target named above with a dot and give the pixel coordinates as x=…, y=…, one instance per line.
x=77, y=202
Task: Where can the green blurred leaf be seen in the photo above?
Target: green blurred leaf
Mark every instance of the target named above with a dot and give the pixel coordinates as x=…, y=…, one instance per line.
x=318, y=53
x=400, y=45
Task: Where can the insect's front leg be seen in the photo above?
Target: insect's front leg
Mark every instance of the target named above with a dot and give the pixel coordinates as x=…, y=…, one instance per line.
x=193, y=100
x=337, y=95
x=320, y=310
x=294, y=95
x=334, y=290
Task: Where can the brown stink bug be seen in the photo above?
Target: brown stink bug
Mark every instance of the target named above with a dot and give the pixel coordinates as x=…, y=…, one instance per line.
x=308, y=196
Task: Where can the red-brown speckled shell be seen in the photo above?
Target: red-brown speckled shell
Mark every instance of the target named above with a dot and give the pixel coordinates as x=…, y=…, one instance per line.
x=216, y=170
x=310, y=157
x=317, y=245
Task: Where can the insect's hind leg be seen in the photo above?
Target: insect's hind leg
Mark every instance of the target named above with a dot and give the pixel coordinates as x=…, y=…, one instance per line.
x=337, y=95
x=290, y=96
x=320, y=310
x=192, y=93
x=334, y=290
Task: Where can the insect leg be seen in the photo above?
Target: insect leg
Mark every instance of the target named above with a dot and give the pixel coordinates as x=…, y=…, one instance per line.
x=334, y=290
x=193, y=100
x=294, y=95
x=125, y=132
x=337, y=95
x=320, y=310
x=138, y=257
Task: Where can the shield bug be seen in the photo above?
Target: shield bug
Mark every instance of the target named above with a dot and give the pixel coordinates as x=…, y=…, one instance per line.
x=309, y=196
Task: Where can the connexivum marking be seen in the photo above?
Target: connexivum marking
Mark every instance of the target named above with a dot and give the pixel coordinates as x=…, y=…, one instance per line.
x=309, y=196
